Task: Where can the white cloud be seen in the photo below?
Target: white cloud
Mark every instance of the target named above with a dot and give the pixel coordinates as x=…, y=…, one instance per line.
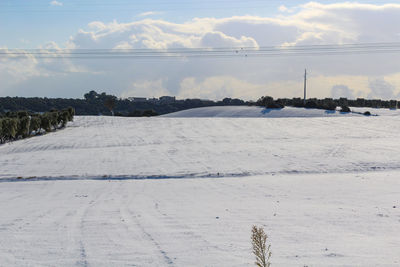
x=283, y=8
x=56, y=3
x=219, y=87
x=309, y=24
x=382, y=89
x=149, y=13
x=146, y=89
x=339, y=91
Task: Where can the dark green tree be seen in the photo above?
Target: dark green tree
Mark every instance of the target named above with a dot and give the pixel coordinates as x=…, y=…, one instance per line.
x=109, y=102
x=34, y=126
x=45, y=122
x=9, y=128
x=23, y=127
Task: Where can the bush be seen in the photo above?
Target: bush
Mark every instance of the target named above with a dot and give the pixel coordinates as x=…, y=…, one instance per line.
x=54, y=119
x=311, y=104
x=23, y=127
x=20, y=124
x=345, y=109
x=329, y=106
x=1, y=132
x=71, y=112
x=64, y=117
x=149, y=113
x=9, y=127
x=260, y=249
x=367, y=113
x=22, y=114
x=45, y=122
x=34, y=126
x=269, y=102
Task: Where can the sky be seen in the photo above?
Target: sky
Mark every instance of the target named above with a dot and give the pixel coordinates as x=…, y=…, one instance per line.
x=350, y=49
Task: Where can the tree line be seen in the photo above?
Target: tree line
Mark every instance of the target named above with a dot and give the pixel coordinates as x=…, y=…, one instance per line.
x=22, y=124
x=327, y=103
x=94, y=103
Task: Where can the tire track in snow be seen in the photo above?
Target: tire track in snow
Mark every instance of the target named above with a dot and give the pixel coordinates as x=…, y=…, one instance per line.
x=83, y=257
x=128, y=216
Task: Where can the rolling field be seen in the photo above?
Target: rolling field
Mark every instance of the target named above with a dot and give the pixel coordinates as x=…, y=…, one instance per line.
x=185, y=191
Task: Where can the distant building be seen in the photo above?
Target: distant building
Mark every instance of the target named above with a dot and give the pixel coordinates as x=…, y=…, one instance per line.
x=137, y=99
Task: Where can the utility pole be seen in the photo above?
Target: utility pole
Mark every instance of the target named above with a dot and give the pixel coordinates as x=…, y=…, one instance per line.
x=305, y=85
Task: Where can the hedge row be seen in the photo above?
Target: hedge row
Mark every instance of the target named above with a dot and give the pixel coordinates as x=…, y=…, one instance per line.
x=327, y=103
x=21, y=124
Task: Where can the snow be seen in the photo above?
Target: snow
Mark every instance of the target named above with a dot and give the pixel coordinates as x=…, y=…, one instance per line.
x=203, y=147
x=312, y=220
x=185, y=191
x=287, y=112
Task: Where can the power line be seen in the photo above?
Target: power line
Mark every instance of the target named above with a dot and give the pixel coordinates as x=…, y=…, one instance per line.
x=221, y=52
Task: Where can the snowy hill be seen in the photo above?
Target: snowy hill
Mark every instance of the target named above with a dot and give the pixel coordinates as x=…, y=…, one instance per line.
x=259, y=112
x=325, y=189
x=202, y=147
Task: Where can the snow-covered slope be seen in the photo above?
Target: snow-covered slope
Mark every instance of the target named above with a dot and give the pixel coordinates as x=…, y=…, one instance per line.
x=202, y=147
x=326, y=190
x=259, y=112
x=311, y=220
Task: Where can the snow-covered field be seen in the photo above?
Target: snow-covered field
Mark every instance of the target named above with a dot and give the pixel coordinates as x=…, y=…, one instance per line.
x=326, y=189
x=287, y=112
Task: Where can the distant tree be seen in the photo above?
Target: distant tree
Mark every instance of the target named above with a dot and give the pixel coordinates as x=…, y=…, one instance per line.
x=1, y=131
x=109, y=102
x=311, y=104
x=54, y=119
x=91, y=96
x=63, y=117
x=34, y=126
x=23, y=127
x=22, y=114
x=149, y=113
x=269, y=102
x=71, y=112
x=329, y=106
x=345, y=109
x=9, y=128
x=135, y=113
x=45, y=122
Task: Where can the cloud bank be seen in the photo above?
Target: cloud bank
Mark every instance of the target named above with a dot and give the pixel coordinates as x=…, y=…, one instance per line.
x=364, y=75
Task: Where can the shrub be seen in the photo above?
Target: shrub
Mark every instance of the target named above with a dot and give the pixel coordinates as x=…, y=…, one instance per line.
x=9, y=128
x=71, y=112
x=135, y=113
x=269, y=102
x=54, y=119
x=367, y=113
x=345, y=109
x=329, y=106
x=34, y=126
x=149, y=113
x=20, y=124
x=260, y=249
x=311, y=104
x=1, y=132
x=45, y=122
x=22, y=114
x=23, y=127
x=64, y=117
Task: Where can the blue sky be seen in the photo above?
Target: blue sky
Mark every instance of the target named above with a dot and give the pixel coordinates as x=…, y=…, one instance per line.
x=156, y=24
x=30, y=23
